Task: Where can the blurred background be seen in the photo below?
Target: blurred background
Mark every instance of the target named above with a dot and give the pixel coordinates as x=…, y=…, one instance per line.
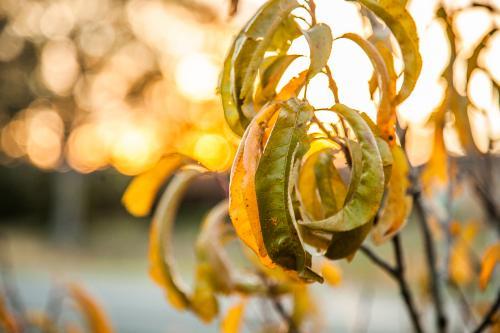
x=93, y=92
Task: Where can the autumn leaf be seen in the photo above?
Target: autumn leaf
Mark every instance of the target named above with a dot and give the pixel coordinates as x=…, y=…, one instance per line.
x=231, y=323
x=7, y=319
x=331, y=273
x=95, y=316
x=402, y=26
x=320, y=40
x=490, y=259
x=142, y=190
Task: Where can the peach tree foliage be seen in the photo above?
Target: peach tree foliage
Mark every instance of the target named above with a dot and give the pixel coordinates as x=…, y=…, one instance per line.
x=291, y=202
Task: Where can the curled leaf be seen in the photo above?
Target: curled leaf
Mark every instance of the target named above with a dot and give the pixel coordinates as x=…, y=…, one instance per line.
x=363, y=204
x=97, y=320
x=142, y=190
x=386, y=115
x=398, y=201
x=161, y=257
x=402, y=26
x=287, y=144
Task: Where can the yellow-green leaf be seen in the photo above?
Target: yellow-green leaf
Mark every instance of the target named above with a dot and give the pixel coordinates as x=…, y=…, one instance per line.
x=320, y=40
x=363, y=204
x=402, y=26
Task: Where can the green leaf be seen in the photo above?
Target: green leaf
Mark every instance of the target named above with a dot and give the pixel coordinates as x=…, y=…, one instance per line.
x=233, y=114
x=364, y=195
x=272, y=70
x=257, y=38
x=245, y=56
x=287, y=144
x=397, y=18
x=320, y=40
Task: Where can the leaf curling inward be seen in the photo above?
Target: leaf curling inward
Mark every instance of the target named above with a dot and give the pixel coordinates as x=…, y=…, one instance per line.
x=143, y=189
x=95, y=316
x=286, y=145
x=402, y=26
x=363, y=200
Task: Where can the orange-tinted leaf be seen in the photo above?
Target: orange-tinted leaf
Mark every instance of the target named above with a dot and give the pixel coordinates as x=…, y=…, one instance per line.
x=490, y=259
x=7, y=319
x=231, y=323
x=142, y=190
x=331, y=273
x=96, y=319
x=398, y=202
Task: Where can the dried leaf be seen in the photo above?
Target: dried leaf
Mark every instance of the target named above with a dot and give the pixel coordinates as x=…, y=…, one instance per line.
x=490, y=259
x=97, y=320
x=142, y=190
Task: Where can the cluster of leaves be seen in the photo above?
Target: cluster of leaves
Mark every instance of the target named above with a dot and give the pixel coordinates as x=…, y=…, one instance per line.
x=14, y=318
x=302, y=191
x=287, y=193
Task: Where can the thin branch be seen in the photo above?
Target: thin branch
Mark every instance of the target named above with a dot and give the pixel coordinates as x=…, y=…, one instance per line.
x=398, y=274
x=379, y=261
x=430, y=254
x=489, y=317
x=292, y=328
x=403, y=285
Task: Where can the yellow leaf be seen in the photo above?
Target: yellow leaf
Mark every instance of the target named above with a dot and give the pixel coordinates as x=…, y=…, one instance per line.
x=243, y=208
x=402, y=26
x=490, y=259
x=461, y=271
x=161, y=258
x=386, y=114
x=231, y=323
x=97, y=320
x=331, y=273
x=141, y=192
x=398, y=202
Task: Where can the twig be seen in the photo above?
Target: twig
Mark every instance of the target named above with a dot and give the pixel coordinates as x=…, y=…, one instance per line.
x=430, y=254
x=489, y=317
x=403, y=285
x=292, y=328
x=398, y=274
x=379, y=261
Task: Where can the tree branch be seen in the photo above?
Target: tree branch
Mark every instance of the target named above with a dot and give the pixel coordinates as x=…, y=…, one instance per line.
x=430, y=254
x=398, y=274
x=489, y=318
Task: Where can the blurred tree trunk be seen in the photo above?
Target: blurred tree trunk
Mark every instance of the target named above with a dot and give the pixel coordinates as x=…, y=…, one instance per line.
x=68, y=205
